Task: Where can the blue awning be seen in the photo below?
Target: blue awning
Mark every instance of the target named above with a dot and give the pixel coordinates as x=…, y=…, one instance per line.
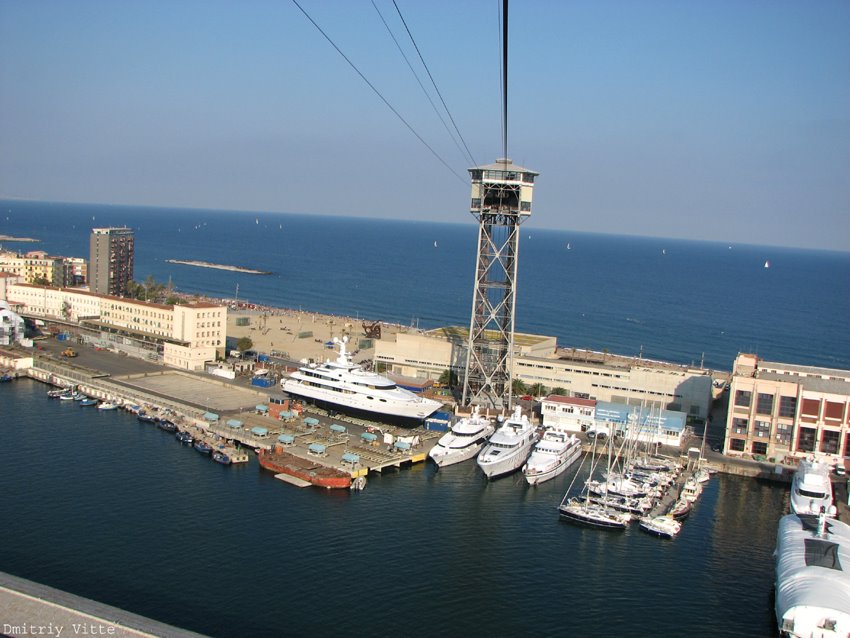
x=286, y=439
x=259, y=431
x=348, y=457
x=316, y=448
x=233, y=423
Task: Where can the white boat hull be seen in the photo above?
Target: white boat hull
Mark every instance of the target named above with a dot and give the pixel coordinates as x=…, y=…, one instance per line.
x=409, y=408
x=558, y=466
x=494, y=467
x=451, y=456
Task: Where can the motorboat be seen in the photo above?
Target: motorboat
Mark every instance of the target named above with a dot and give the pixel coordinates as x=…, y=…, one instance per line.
x=702, y=475
x=811, y=488
x=167, y=426
x=680, y=509
x=185, y=438
x=346, y=386
x=107, y=405
x=221, y=457
x=146, y=418
x=463, y=440
x=88, y=402
x=202, y=447
x=551, y=456
x=812, y=584
x=508, y=448
x=691, y=490
x=663, y=526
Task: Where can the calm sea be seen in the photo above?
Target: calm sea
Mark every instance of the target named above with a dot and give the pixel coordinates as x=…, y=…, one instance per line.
x=104, y=507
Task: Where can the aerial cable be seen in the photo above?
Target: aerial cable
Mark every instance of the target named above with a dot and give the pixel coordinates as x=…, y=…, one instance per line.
x=421, y=86
x=505, y=78
x=378, y=93
x=421, y=59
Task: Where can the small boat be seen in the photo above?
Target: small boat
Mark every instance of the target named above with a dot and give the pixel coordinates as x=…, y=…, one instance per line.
x=691, y=490
x=663, y=526
x=702, y=475
x=145, y=418
x=87, y=402
x=767, y=264
x=167, y=426
x=221, y=457
x=106, y=405
x=203, y=447
x=78, y=396
x=593, y=515
x=66, y=396
x=680, y=509
x=5, y=378
x=185, y=438
x=811, y=488
x=55, y=394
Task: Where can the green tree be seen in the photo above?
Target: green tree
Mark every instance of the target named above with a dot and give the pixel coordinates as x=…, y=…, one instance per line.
x=538, y=390
x=448, y=378
x=41, y=280
x=558, y=392
x=244, y=344
x=518, y=387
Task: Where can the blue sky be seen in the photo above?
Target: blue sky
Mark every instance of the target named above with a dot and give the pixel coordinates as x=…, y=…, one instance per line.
x=717, y=120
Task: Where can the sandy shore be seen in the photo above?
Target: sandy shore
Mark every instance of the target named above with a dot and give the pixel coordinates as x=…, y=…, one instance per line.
x=278, y=329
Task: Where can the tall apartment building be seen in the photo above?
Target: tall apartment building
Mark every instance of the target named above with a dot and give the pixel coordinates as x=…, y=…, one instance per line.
x=111, y=253
x=779, y=410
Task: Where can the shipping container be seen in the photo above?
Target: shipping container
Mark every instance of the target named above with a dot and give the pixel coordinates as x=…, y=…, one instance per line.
x=262, y=382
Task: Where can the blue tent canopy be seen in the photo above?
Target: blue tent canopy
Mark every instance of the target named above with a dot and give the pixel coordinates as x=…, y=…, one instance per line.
x=259, y=431
x=316, y=448
x=233, y=423
x=261, y=407
x=311, y=421
x=210, y=416
x=336, y=427
x=348, y=457
x=285, y=414
x=402, y=445
x=286, y=439
x=368, y=436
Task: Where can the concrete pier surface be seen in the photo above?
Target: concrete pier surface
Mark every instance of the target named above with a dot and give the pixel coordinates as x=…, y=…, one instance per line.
x=30, y=609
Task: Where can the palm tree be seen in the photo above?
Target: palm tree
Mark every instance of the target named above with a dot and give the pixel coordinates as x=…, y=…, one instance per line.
x=538, y=390
x=518, y=387
x=558, y=391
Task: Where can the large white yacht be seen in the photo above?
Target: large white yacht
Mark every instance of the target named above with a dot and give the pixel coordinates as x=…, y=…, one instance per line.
x=509, y=446
x=463, y=440
x=811, y=488
x=552, y=455
x=347, y=387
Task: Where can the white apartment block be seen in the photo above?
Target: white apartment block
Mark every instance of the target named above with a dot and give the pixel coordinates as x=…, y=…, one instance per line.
x=190, y=334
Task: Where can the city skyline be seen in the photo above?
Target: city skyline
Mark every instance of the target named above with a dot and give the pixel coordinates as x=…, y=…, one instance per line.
x=721, y=121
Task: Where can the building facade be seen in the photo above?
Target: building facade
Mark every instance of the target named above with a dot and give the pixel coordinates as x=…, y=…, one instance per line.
x=186, y=335
x=111, y=258
x=581, y=374
x=785, y=411
x=35, y=266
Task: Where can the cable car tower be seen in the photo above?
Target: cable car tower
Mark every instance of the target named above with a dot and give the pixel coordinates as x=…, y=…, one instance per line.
x=501, y=201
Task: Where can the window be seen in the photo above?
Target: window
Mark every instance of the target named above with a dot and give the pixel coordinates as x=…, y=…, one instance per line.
x=525, y=206
x=788, y=406
x=739, y=426
x=763, y=428
x=743, y=398
x=783, y=434
x=829, y=442
x=764, y=404
x=759, y=447
x=736, y=445
x=806, y=440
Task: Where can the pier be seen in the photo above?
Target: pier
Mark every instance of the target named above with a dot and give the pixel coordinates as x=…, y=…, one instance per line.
x=32, y=609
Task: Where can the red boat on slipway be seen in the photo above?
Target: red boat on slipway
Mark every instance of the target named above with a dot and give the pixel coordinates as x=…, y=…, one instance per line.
x=281, y=462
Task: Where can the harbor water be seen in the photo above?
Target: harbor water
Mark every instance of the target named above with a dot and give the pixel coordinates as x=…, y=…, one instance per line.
x=100, y=505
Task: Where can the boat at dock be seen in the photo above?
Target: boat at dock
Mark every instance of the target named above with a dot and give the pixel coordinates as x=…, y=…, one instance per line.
x=551, y=456
x=662, y=526
x=812, y=584
x=681, y=509
x=463, y=440
x=203, y=447
x=167, y=426
x=185, y=438
x=811, y=488
x=146, y=418
x=584, y=512
x=308, y=470
x=107, y=405
x=345, y=386
x=221, y=457
x=88, y=402
x=509, y=447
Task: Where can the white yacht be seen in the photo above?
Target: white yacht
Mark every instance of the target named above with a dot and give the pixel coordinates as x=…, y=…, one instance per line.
x=811, y=488
x=509, y=446
x=553, y=454
x=346, y=386
x=463, y=440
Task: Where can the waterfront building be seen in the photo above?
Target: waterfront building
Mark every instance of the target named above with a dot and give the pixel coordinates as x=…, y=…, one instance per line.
x=601, y=376
x=35, y=266
x=111, y=256
x=74, y=272
x=783, y=411
x=639, y=423
x=568, y=413
x=185, y=336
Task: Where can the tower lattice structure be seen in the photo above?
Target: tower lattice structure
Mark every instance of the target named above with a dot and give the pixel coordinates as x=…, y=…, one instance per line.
x=501, y=201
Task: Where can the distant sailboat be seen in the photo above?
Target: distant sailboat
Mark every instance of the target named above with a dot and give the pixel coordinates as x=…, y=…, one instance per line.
x=767, y=264
x=568, y=246
x=663, y=251
x=435, y=244
x=257, y=221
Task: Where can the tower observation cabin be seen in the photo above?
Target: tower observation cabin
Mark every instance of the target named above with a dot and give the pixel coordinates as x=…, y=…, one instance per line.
x=501, y=200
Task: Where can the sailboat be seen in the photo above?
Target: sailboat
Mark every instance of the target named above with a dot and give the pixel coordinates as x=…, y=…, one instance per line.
x=767, y=264
x=585, y=511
